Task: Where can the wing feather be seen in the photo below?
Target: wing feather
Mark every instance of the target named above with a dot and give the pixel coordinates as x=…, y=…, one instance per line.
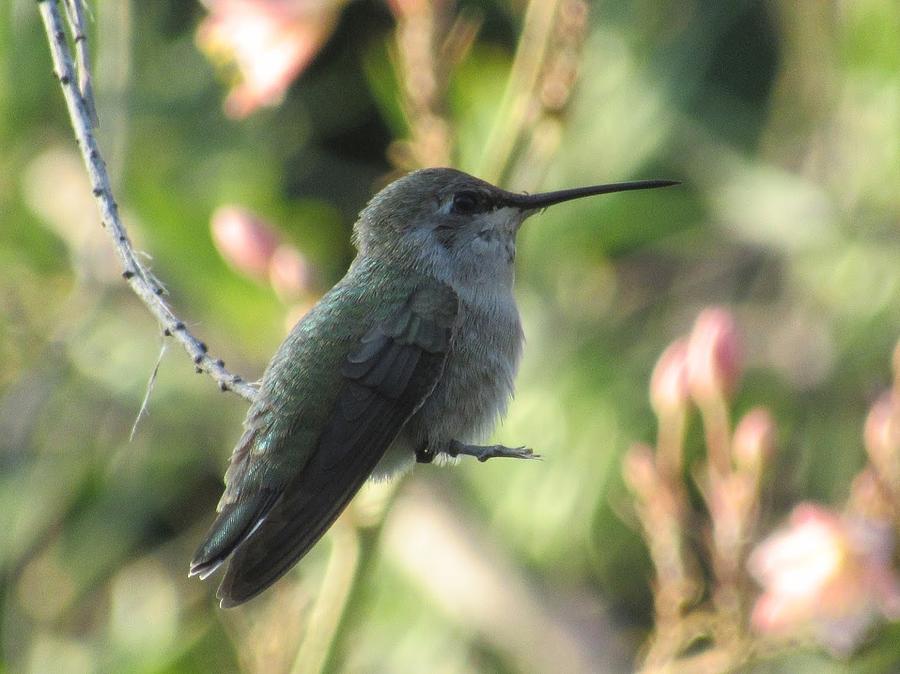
x=386, y=378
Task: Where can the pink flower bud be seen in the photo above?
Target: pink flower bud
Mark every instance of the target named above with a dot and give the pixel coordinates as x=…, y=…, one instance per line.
x=714, y=356
x=245, y=241
x=882, y=437
x=669, y=385
x=754, y=441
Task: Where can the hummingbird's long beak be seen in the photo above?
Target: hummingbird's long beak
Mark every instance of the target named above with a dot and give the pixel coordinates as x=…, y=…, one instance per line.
x=533, y=202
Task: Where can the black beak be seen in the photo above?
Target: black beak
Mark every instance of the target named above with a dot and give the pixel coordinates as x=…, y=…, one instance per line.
x=533, y=202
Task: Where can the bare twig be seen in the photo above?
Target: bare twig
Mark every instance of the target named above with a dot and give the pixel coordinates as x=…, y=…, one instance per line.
x=142, y=282
x=75, y=15
x=542, y=129
x=419, y=25
x=518, y=98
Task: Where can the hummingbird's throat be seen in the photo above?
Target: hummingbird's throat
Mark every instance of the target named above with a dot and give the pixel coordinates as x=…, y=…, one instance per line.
x=503, y=222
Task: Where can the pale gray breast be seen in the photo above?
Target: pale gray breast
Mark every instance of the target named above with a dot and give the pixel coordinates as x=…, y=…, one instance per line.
x=477, y=382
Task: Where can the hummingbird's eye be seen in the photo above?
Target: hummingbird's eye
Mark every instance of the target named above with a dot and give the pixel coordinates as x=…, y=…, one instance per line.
x=466, y=203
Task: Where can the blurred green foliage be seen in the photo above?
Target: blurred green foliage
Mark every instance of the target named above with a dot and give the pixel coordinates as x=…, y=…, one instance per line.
x=781, y=118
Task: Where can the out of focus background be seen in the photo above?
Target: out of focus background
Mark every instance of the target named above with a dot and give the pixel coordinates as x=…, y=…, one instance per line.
x=244, y=136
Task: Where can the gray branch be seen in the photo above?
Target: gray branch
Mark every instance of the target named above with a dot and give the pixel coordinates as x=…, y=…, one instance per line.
x=80, y=104
x=75, y=16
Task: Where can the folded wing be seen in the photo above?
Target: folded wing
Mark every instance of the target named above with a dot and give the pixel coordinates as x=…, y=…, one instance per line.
x=386, y=377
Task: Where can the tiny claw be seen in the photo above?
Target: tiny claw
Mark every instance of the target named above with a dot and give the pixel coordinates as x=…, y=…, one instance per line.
x=523, y=452
x=501, y=452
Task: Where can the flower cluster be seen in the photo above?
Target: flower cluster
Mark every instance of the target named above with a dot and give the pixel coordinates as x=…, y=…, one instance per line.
x=699, y=373
x=827, y=575
x=831, y=574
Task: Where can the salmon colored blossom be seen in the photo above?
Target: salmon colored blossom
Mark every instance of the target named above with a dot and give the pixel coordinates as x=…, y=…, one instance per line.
x=668, y=384
x=267, y=42
x=754, y=441
x=826, y=573
x=714, y=356
x=246, y=241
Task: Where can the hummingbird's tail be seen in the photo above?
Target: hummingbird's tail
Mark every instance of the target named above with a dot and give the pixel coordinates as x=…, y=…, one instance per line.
x=235, y=523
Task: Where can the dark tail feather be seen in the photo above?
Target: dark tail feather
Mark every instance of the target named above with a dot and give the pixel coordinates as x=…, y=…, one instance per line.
x=231, y=527
x=307, y=507
x=285, y=537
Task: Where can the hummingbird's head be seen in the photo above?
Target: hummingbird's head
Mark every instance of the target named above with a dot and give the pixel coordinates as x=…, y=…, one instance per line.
x=446, y=218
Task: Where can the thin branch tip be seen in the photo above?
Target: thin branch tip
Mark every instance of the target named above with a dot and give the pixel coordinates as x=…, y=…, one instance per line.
x=69, y=69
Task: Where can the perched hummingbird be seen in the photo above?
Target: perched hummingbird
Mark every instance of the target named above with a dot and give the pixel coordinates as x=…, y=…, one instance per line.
x=411, y=356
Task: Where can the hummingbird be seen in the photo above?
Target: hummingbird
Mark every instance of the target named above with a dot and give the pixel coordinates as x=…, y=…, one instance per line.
x=411, y=357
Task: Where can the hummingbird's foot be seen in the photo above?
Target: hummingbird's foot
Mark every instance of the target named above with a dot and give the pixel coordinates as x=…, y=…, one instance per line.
x=483, y=453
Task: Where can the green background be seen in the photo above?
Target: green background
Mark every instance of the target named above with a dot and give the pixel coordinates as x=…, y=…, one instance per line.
x=782, y=119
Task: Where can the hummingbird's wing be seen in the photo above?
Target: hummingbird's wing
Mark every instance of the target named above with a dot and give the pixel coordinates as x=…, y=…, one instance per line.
x=387, y=375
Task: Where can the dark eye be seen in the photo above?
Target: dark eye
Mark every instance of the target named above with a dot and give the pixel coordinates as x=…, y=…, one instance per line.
x=466, y=203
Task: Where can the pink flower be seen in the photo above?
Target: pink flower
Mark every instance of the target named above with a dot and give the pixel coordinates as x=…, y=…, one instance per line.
x=268, y=42
x=252, y=246
x=827, y=573
x=668, y=384
x=882, y=437
x=714, y=358
x=754, y=441
x=246, y=241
